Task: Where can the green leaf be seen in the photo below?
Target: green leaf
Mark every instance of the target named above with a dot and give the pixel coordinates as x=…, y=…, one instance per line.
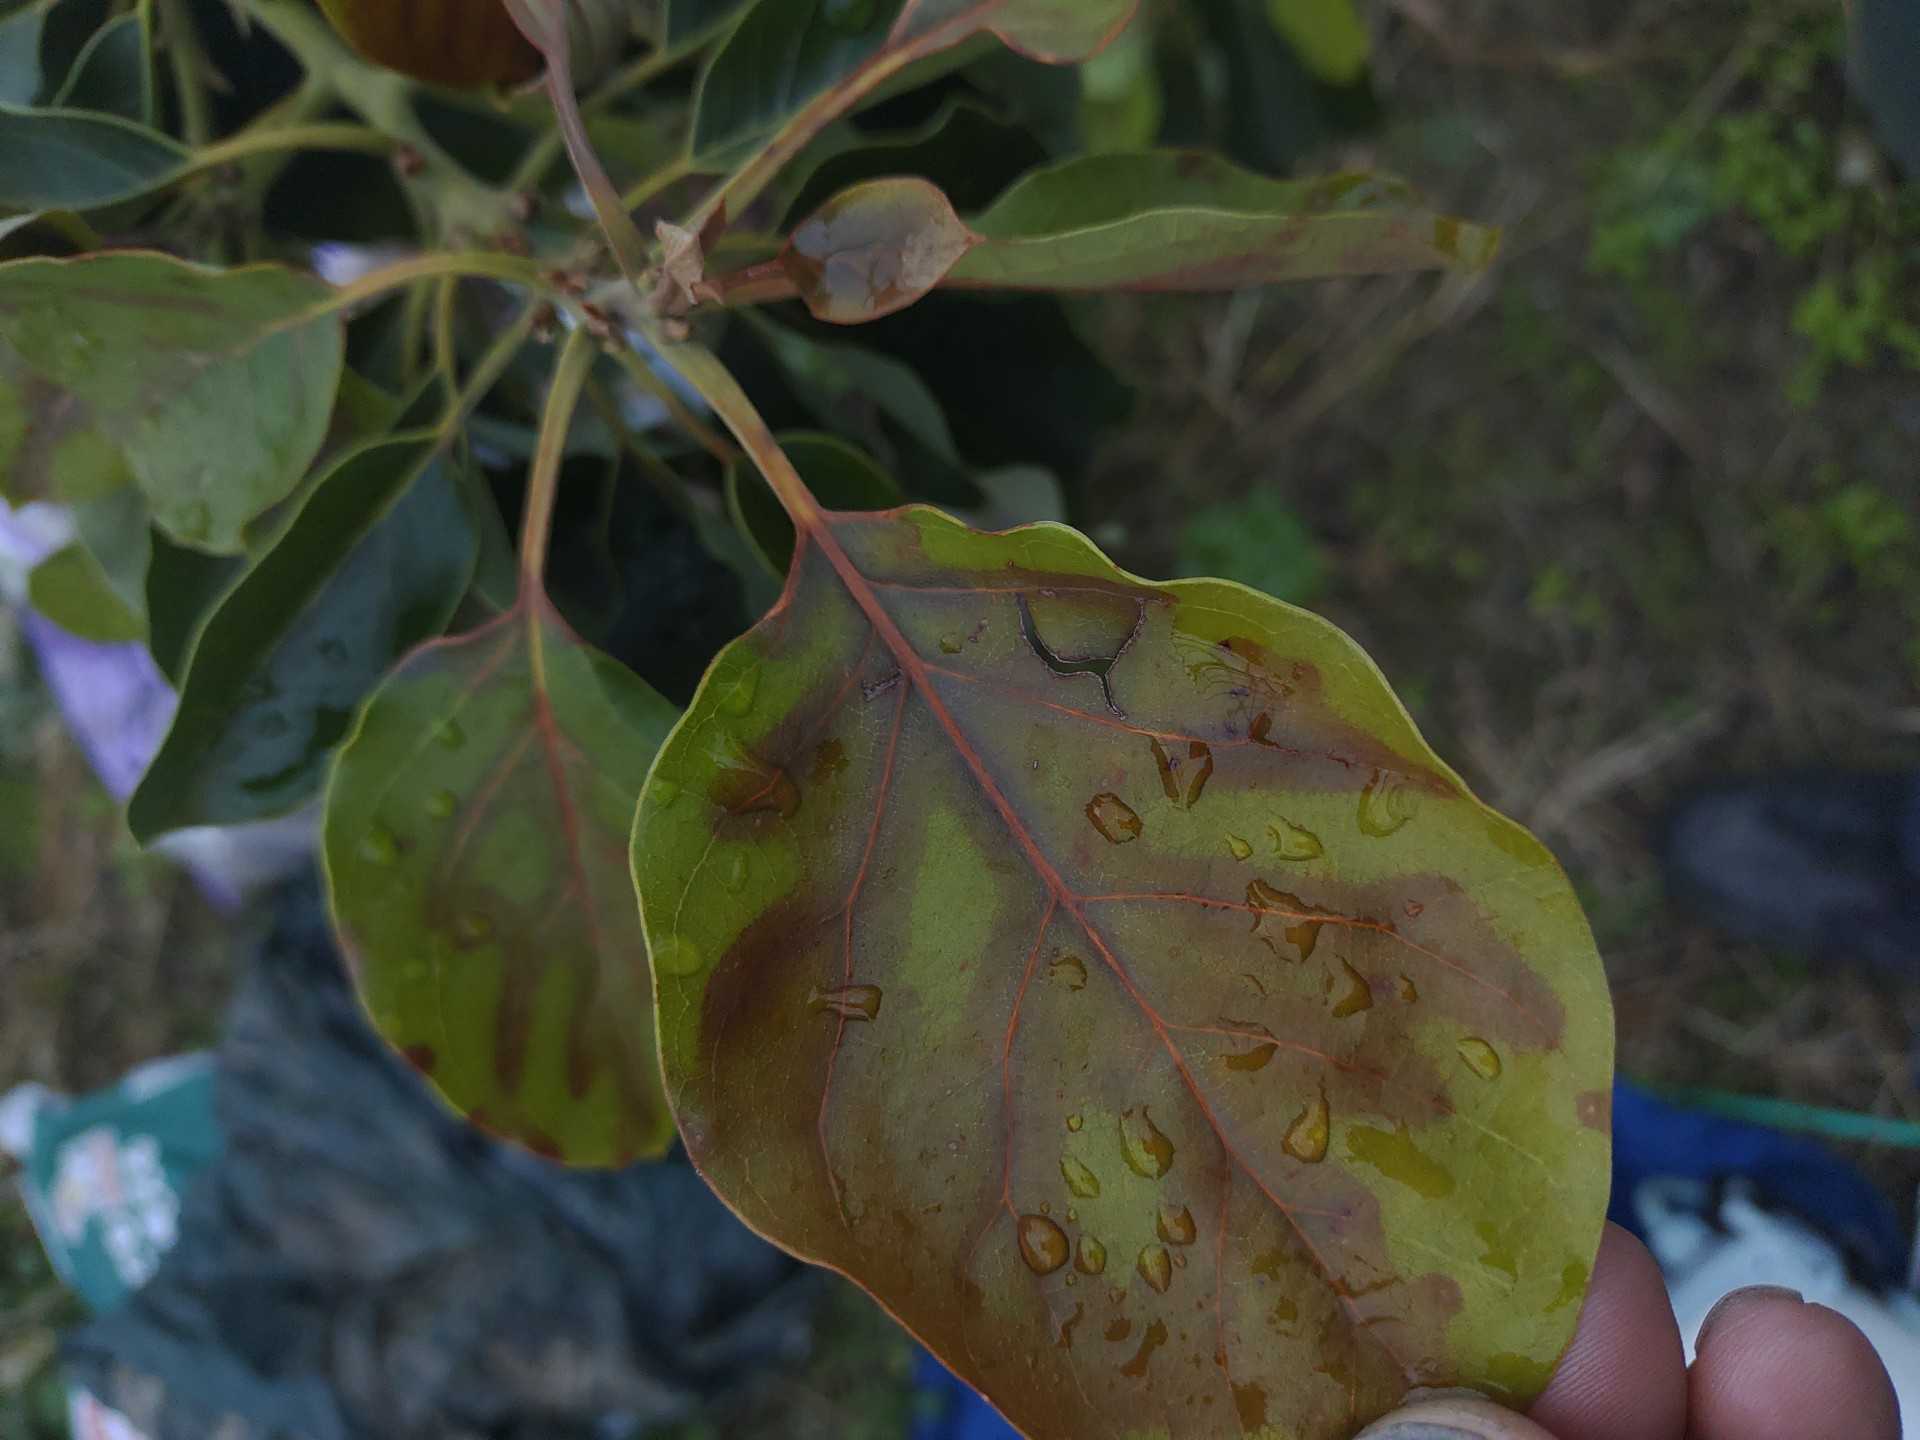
x=72, y=590
x=39, y=43
x=1328, y=35
x=1060, y=32
x=73, y=160
x=373, y=564
x=837, y=381
x=1120, y=95
x=965, y=149
x=183, y=586
x=782, y=54
x=874, y=249
x=1107, y=976
x=114, y=74
x=473, y=848
x=839, y=474
x=210, y=390
x=688, y=20
x=1182, y=220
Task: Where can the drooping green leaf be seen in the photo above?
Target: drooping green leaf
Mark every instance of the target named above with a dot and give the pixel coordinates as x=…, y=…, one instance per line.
x=183, y=586
x=874, y=249
x=372, y=565
x=474, y=854
x=781, y=55
x=835, y=380
x=840, y=475
x=785, y=54
x=72, y=590
x=1183, y=220
x=114, y=74
x=209, y=390
x=1328, y=35
x=39, y=43
x=74, y=160
x=1108, y=976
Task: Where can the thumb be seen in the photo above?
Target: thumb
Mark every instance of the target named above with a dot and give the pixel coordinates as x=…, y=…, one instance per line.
x=1451, y=1417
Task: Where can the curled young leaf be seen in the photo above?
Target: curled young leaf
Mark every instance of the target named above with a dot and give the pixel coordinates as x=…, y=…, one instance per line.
x=475, y=852
x=874, y=249
x=465, y=44
x=1107, y=976
x=209, y=390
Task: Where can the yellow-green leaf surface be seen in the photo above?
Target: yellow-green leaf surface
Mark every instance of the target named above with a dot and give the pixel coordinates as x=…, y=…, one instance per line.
x=1107, y=976
x=209, y=390
x=475, y=848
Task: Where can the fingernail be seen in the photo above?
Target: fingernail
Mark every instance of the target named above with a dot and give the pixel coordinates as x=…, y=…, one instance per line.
x=1734, y=1299
x=1415, y=1430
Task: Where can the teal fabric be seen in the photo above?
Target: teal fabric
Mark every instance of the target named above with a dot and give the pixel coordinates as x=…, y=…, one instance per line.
x=105, y=1174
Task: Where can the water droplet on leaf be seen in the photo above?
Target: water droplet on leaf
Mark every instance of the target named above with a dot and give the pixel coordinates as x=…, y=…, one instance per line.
x=1306, y=1137
x=1114, y=818
x=1074, y=1122
x=1156, y=1267
x=1175, y=1225
x=1293, y=842
x=1119, y=1327
x=677, y=955
x=1238, y=848
x=471, y=928
x=734, y=874
x=737, y=695
x=441, y=805
x=1480, y=1057
x=1068, y=970
x=849, y=1002
x=1351, y=994
x=1258, y=1058
x=450, y=735
x=1385, y=805
x=379, y=846
x=1080, y=1180
x=1043, y=1244
x=951, y=644
x=1409, y=992
x=1090, y=1257
x=663, y=793
x=1148, y=1152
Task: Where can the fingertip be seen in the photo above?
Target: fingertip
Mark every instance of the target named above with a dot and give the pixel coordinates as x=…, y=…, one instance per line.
x=1625, y=1372
x=1771, y=1367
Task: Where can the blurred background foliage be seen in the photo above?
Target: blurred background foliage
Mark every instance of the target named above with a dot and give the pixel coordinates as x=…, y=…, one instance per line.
x=1636, y=508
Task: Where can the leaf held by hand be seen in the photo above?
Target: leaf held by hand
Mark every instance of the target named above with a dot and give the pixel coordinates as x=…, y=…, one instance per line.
x=1107, y=976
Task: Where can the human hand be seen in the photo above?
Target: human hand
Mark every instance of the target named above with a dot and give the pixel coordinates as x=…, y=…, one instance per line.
x=1768, y=1367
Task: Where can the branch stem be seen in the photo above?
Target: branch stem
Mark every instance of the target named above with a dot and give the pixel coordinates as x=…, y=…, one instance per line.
x=543, y=482
x=706, y=374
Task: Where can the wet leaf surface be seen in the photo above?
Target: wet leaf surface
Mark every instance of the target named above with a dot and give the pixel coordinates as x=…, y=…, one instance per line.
x=476, y=852
x=373, y=564
x=995, y=969
x=208, y=390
